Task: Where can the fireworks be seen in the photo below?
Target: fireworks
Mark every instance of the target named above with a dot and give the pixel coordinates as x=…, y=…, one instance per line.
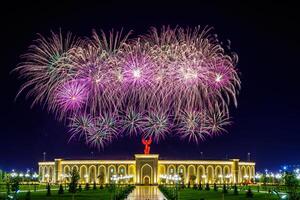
x=168, y=81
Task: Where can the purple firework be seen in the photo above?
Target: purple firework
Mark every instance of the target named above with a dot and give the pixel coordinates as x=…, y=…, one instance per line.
x=170, y=80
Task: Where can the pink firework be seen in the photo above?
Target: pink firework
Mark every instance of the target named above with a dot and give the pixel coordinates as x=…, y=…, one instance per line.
x=169, y=80
x=71, y=96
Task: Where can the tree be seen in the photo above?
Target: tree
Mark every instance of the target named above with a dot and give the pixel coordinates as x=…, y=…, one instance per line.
x=28, y=196
x=48, y=190
x=101, y=178
x=74, y=178
x=61, y=189
x=192, y=179
x=207, y=187
x=292, y=185
x=79, y=188
x=14, y=182
x=200, y=186
x=249, y=193
x=235, y=190
x=225, y=189
x=87, y=186
x=215, y=187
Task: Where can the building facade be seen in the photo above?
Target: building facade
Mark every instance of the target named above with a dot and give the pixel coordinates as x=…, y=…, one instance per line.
x=148, y=169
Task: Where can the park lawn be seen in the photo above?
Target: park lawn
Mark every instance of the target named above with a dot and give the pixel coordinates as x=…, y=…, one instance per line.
x=103, y=194
x=25, y=187
x=191, y=194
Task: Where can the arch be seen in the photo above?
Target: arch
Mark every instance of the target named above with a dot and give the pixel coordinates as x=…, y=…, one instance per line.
x=226, y=174
x=111, y=171
x=66, y=173
x=102, y=174
x=67, y=170
x=122, y=170
x=253, y=171
x=83, y=173
x=41, y=175
x=51, y=174
x=45, y=178
x=161, y=171
x=146, y=180
x=218, y=174
x=171, y=169
x=131, y=171
x=210, y=174
x=182, y=172
x=75, y=167
x=92, y=174
x=201, y=174
x=243, y=173
x=146, y=170
x=191, y=172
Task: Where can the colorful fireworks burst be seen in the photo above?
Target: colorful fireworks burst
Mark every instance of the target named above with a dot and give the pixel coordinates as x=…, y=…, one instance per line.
x=168, y=81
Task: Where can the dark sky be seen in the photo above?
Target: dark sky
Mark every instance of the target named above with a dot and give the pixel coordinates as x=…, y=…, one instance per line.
x=265, y=36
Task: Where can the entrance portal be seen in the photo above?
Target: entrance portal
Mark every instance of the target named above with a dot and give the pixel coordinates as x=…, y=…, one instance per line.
x=146, y=180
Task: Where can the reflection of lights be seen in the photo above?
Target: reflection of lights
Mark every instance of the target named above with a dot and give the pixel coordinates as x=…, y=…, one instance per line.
x=21, y=175
x=246, y=176
x=203, y=176
x=220, y=176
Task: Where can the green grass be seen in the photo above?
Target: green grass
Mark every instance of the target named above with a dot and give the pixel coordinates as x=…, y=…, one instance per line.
x=103, y=194
x=26, y=187
x=191, y=194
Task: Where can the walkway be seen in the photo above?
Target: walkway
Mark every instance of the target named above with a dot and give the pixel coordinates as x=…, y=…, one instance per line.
x=146, y=193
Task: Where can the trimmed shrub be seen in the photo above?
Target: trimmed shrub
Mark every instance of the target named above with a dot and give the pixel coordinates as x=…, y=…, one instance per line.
x=94, y=186
x=235, y=190
x=215, y=187
x=225, y=191
x=80, y=188
x=207, y=188
x=249, y=193
x=48, y=190
x=200, y=187
x=61, y=189
x=87, y=186
x=28, y=196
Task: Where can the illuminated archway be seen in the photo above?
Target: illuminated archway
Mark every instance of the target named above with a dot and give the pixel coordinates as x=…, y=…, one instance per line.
x=146, y=171
x=191, y=174
x=210, y=174
x=201, y=174
x=92, y=174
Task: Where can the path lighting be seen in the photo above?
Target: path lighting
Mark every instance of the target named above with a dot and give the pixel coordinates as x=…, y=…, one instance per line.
x=246, y=176
x=13, y=173
x=35, y=175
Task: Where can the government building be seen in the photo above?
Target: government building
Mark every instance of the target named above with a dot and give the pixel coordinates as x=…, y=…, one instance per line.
x=148, y=169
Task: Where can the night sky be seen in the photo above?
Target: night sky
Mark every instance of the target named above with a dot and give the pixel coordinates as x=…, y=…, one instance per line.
x=265, y=36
